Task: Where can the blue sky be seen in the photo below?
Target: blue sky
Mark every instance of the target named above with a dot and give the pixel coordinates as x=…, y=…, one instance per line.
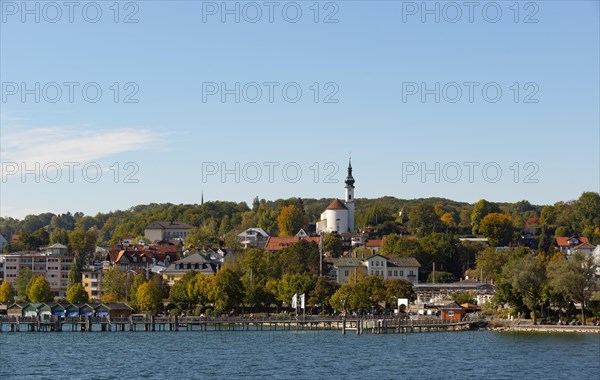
x=375, y=61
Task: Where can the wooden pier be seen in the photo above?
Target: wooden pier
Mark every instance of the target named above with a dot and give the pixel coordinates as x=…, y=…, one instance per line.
x=357, y=325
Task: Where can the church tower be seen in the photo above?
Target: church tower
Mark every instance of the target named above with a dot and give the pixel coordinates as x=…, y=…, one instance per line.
x=350, y=197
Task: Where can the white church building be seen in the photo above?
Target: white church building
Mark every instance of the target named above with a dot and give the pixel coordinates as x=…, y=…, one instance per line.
x=339, y=216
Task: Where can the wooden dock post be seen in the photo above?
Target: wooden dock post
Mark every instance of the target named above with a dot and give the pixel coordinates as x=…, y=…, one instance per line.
x=344, y=326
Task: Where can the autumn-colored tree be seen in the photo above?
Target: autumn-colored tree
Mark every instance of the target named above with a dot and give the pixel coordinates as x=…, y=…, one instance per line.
x=39, y=290
x=149, y=298
x=138, y=280
x=290, y=220
x=77, y=294
x=7, y=292
x=480, y=210
x=498, y=228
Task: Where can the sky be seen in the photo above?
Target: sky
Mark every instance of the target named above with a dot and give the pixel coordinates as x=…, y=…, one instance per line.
x=109, y=106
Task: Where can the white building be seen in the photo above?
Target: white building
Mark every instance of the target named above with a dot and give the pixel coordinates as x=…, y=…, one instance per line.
x=339, y=216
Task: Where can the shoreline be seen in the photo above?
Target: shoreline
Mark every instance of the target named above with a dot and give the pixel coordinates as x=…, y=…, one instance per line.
x=549, y=329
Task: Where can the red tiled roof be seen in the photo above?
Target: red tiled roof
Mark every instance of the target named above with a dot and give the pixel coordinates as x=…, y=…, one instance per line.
x=375, y=243
x=563, y=241
x=336, y=204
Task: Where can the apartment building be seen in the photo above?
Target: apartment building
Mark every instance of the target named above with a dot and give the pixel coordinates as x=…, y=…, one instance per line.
x=53, y=262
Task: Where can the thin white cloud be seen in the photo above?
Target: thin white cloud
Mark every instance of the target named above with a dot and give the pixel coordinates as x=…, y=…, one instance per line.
x=71, y=144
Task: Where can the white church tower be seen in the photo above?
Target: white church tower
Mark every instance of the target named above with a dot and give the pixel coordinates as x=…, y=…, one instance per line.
x=350, y=197
x=339, y=216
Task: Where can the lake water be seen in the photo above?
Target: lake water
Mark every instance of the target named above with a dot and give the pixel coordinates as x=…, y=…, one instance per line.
x=297, y=355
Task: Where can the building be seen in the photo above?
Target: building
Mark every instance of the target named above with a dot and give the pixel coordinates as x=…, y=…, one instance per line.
x=195, y=262
x=452, y=312
x=253, y=237
x=339, y=216
x=53, y=262
x=157, y=231
x=583, y=248
x=91, y=279
x=141, y=258
x=565, y=244
x=406, y=268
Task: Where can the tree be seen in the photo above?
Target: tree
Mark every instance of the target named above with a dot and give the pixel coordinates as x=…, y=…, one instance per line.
x=114, y=286
x=7, y=292
x=398, y=288
x=74, y=274
x=423, y=220
x=39, y=290
x=498, y=228
x=77, y=294
x=587, y=210
x=574, y=278
x=179, y=291
x=200, y=288
x=294, y=283
x=227, y=291
x=24, y=277
x=440, y=276
x=138, y=280
x=322, y=292
x=290, y=220
x=59, y=235
x=464, y=297
x=83, y=243
x=149, y=298
x=480, y=210
x=527, y=276
x=489, y=263
x=332, y=244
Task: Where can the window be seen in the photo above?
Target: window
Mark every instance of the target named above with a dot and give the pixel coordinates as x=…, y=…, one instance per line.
x=346, y=273
x=401, y=273
x=395, y=273
x=451, y=313
x=389, y=273
x=411, y=273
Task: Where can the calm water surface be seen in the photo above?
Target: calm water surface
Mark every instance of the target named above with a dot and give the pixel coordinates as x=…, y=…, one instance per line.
x=298, y=355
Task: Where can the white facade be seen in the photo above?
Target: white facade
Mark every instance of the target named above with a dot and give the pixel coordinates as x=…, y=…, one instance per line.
x=334, y=221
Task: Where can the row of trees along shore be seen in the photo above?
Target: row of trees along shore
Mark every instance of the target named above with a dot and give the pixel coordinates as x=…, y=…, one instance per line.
x=530, y=282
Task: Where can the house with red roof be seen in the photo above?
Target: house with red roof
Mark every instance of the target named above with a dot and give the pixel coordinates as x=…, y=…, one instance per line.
x=566, y=244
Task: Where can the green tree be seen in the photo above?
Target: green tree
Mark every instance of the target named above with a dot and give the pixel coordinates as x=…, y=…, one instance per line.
x=398, y=288
x=24, y=277
x=423, y=220
x=489, y=263
x=574, y=278
x=149, y=298
x=290, y=220
x=322, y=292
x=498, y=228
x=200, y=288
x=59, y=235
x=39, y=290
x=7, y=292
x=114, y=286
x=464, y=297
x=74, y=275
x=83, y=243
x=227, y=291
x=179, y=293
x=294, y=283
x=527, y=276
x=332, y=244
x=77, y=294
x=587, y=210
x=480, y=210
